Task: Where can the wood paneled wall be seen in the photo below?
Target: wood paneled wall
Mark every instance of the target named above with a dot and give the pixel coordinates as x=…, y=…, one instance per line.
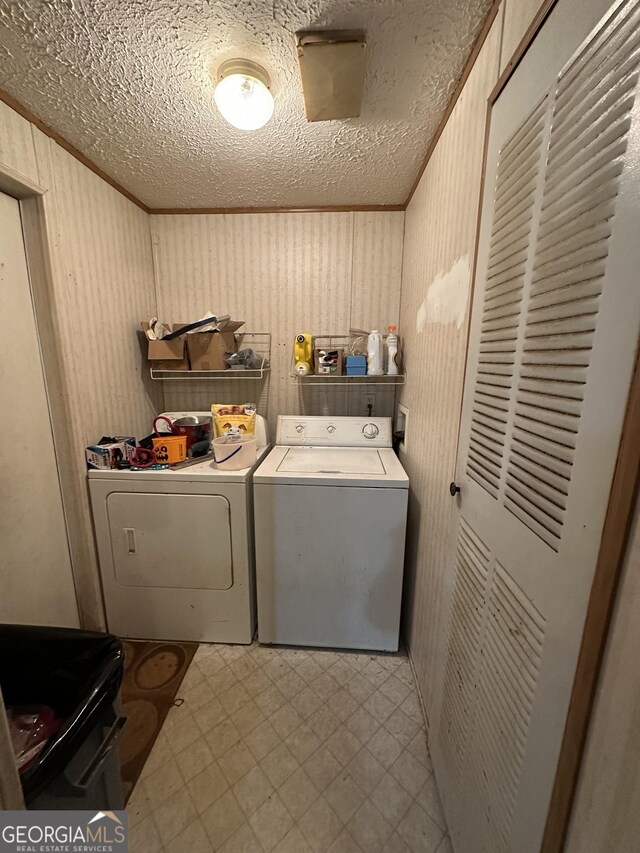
x=440, y=229
x=282, y=273
x=440, y=234
x=17, y=148
x=102, y=277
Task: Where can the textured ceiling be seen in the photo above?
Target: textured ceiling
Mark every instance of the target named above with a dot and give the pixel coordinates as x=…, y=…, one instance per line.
x=128, y=83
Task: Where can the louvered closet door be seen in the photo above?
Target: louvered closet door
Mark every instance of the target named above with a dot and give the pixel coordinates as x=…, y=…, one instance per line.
x=555, y=326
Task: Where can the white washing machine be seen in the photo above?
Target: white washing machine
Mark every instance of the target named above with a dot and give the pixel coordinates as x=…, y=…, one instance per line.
x=330, y=518
x=176, y=551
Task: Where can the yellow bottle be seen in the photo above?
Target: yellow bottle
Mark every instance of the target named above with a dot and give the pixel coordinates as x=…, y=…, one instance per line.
x=303, y=354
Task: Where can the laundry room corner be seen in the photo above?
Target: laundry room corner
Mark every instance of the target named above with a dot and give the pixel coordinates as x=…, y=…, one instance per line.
x=320, y=393
x=281, y=272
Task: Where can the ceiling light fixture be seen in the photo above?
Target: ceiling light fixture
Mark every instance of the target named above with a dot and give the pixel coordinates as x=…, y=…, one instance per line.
x=242, y=94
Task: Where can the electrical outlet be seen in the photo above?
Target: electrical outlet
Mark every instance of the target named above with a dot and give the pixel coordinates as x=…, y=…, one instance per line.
x=402, y=424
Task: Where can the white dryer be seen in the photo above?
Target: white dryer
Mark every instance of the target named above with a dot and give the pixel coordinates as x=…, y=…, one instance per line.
x=176, y=551
x=330, y=518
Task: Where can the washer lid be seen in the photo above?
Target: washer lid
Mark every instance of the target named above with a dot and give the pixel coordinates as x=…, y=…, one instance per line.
x=333, y=466
x=331, y=460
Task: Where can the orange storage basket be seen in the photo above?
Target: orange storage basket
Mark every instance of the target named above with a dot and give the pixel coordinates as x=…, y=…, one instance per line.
x=170, y=449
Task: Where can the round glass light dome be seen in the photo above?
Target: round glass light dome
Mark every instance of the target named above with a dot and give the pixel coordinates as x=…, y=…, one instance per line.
x=242, y=94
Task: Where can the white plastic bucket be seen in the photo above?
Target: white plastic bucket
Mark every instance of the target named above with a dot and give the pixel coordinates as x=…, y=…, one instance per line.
x=234, y=455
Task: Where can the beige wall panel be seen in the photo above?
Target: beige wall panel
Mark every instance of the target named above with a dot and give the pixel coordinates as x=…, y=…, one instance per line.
x=606, y=815
x=440, y=234
x=104, y=283
x=518, y=14
x=284, y=274
x=375, y=296
x=16, y=143
x=377, y=270
x=108, y=286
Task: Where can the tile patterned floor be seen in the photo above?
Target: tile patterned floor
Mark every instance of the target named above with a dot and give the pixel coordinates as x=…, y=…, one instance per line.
x=281, y=750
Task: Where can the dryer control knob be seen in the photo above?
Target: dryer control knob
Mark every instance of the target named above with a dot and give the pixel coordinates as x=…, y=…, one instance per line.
x=331, y=428
x=370, y=430
x=299, y=428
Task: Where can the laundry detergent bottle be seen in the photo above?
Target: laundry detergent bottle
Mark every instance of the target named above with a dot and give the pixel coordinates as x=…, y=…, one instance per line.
x=374, y=354
x=392, y=351
x=303, y=354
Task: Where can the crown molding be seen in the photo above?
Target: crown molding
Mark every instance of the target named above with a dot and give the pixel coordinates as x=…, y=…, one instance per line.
x=340, y=208
x=336, y=208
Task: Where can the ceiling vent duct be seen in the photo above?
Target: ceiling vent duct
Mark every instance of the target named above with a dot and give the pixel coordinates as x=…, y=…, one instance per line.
x=332, y=72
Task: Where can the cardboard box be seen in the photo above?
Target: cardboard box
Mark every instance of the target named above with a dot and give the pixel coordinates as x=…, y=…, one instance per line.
x=329, y=366
x=168, y=355
x=207, y=349
x=108, y=454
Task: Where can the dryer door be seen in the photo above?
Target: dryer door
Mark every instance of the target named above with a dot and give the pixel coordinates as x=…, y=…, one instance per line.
x=181, y=541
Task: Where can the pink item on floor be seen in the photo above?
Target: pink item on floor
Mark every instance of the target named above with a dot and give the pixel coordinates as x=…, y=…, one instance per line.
x=30, y=728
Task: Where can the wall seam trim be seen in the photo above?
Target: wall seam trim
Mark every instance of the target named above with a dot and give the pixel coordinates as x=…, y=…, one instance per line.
x=156, y=283
x=501, y=40
x=35, y=153
x=416, y=684
x=352, y=265
x=404, y=234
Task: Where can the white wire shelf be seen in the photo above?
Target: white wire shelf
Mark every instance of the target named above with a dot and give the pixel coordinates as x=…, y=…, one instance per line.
x=332, y=379
x=186, y=375
x=260, y=342
x=348, y=343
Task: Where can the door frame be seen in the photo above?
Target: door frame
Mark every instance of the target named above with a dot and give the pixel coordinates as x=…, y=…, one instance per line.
x=30, y=199
x=613, y=544
x=37, y=232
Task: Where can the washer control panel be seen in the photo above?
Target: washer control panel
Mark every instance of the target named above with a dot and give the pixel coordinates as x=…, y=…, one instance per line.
x=335, y=432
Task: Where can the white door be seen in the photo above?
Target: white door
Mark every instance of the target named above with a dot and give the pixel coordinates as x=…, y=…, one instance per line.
x=35, y=568
x=555, y=326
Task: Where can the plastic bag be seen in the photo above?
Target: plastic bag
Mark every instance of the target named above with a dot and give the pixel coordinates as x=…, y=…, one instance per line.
x=30, y=728
x=245, y=359
x=234, y=421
